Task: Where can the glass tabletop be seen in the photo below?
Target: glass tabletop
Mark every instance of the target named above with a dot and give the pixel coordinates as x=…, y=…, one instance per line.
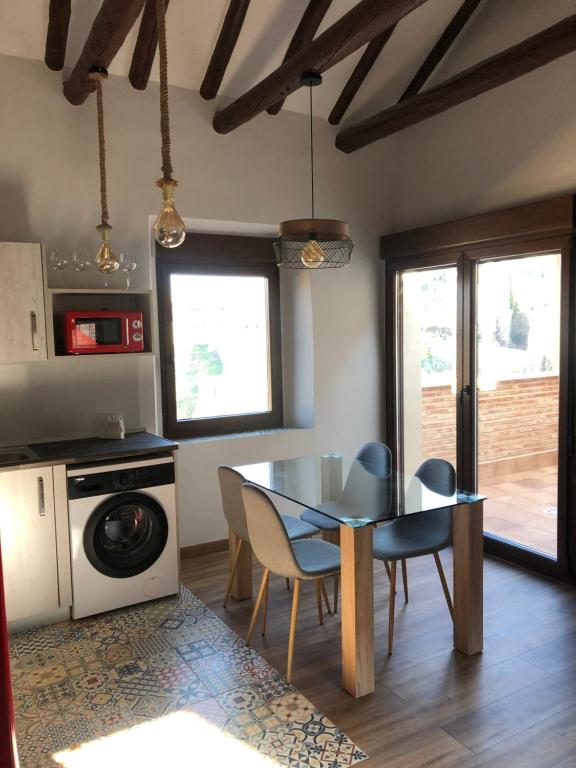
x=366, y=496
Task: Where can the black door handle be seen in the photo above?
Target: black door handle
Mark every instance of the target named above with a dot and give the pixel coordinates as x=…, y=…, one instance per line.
x=466, y=391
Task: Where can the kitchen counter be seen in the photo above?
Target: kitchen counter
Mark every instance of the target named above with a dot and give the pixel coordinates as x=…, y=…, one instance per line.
x=89, y=449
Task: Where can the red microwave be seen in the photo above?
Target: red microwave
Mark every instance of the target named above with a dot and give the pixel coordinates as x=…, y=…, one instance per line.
x=102, y=332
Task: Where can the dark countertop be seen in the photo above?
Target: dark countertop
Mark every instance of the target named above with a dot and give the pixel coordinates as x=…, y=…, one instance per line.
x=88, y=449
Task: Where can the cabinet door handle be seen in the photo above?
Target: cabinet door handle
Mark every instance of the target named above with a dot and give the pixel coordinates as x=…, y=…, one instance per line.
x=41, y=498
x=34, y=329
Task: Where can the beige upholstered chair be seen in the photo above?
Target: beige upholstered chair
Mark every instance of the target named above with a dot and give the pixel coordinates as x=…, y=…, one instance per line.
x=310, y=559
x=231, y=490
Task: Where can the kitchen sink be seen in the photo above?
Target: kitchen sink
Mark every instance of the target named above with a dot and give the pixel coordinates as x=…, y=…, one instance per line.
x=16, y=453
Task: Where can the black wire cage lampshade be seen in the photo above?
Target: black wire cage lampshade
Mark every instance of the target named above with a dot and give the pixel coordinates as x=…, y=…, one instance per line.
x=313, y=243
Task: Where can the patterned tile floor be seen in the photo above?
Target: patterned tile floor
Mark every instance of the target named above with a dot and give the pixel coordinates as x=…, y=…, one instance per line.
x=76, y=683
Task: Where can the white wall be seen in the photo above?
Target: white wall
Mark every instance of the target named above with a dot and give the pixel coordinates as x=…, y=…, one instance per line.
x=511, y=145
x=259, y=173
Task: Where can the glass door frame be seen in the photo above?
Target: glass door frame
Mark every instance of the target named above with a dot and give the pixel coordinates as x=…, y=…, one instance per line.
x=472, y=258
x=466, y=260
x=394, y=343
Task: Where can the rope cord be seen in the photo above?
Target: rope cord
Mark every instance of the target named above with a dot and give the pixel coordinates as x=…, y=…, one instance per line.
x=98, y=77
x=167, y=169
x=311, y=151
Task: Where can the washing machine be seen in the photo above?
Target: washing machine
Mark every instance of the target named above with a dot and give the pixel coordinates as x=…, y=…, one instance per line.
x=123, y=534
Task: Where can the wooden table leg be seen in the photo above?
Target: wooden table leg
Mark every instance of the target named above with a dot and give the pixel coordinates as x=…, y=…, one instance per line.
x=242, y=583
x=468, y=529
x=356, y=545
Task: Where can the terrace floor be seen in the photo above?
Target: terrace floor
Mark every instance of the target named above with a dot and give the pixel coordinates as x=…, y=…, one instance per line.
x=521, y=507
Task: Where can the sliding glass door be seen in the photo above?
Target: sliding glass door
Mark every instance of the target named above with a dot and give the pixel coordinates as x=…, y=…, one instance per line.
x=518, y=398
x=480, y=370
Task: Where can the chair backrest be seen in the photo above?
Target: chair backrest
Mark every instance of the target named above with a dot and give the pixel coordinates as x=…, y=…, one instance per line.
x=367, y=490
x=232, y=502
x=377, y=457
x=268, y=536
x=438, y=475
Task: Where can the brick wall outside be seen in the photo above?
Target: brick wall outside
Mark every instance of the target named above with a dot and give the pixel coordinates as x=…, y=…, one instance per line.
x=518, y=418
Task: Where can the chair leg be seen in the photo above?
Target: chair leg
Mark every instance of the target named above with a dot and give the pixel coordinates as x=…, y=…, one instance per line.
x=388, y=571
x=293, y=620
x=233, y=571
x=405, y=579
x=336, y=585
x=319, y=601
x=392, y=602
x=265, y=609
x=444, y=584
x=261, y=593
x=288, y=584
x=325, y=595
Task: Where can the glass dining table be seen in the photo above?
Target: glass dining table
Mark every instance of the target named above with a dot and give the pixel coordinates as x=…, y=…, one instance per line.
x=368, y=497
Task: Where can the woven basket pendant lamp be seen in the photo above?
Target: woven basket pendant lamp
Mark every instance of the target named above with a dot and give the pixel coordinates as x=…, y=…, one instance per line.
x=106, y=260
x=169, y=229
x=313, y=243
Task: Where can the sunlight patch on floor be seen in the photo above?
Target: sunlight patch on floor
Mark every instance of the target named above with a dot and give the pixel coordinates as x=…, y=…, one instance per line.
x=179, y=739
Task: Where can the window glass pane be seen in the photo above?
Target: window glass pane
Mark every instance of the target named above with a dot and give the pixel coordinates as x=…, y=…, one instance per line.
x=518, y=348
x=428, y=352
x=221, y=347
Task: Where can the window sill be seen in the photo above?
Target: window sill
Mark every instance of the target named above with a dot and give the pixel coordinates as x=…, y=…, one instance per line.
x=240, y=435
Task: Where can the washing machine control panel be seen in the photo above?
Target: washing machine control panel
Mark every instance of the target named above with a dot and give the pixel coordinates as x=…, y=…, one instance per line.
x=117, y=481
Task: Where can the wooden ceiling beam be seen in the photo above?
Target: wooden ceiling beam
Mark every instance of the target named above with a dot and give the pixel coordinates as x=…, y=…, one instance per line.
x=375, y=47
x=145, y=48
x=224, y=48
x=364, y=22
x=305, y=31
x=456, y=25
x=57, y=37
x=112, y=24
x=535, y=52
x=361, y=70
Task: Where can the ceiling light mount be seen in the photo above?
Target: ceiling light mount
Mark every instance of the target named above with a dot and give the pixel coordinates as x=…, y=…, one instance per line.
x=310, y=79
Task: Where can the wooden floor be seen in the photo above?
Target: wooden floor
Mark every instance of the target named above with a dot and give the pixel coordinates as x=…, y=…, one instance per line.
x=512, y=706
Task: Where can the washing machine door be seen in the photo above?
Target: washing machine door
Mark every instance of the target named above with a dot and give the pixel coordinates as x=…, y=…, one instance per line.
x=125, y=534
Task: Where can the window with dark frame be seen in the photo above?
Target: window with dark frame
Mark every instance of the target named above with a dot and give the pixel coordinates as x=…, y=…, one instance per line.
x=220, y=347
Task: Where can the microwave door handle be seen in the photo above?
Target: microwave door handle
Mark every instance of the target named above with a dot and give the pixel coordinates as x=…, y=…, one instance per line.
x=127, y=331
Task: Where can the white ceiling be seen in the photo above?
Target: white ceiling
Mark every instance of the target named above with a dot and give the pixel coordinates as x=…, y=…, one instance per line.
x=193, y=27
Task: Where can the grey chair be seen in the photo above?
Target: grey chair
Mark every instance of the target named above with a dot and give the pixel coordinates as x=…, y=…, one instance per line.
x=417, y=535
x=304, y=559
x=231, y=489
x=377, y=459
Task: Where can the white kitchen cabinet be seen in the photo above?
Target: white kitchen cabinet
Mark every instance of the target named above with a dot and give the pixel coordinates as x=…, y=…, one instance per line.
x=22, y=318
x=28, y=538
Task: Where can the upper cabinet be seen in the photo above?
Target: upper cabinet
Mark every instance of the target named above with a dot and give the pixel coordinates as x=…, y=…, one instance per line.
x=22, y=318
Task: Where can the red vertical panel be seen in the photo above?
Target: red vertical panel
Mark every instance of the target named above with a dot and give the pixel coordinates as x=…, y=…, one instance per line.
x=8, y=754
